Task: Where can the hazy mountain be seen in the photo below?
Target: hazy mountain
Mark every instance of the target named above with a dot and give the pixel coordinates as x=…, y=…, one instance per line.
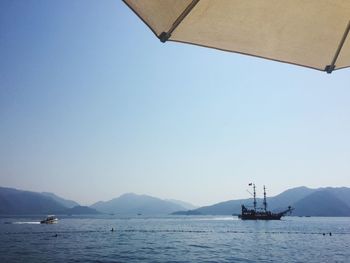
x=80, y=210
x=13, y=201
x=314, y=202
x=65, y=202
x=131, y=204
x=185, y=205
x=288, y=197
x=342, y=193
x=222, y=208
x=321, y=203
x=328, y=201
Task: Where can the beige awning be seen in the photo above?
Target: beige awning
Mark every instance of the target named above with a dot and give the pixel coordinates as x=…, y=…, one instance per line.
x=310, y=33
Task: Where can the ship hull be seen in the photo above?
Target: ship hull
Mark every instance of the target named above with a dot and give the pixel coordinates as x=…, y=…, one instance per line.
x=252, y=214
x=260, y=217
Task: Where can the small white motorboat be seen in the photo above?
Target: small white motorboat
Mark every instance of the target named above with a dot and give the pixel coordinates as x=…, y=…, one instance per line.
x=50, y=219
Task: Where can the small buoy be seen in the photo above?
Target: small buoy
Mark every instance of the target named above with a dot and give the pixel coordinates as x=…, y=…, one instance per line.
x=112, y=230
x=330, y=233
x=324, y=234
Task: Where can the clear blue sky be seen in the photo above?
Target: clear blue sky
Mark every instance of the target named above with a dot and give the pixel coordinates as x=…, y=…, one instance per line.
x=92, y=105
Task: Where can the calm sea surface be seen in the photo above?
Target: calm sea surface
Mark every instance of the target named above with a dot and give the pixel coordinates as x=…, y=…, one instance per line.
x=174, y=239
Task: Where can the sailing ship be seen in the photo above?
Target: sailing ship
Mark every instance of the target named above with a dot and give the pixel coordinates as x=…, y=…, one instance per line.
x=262, y=213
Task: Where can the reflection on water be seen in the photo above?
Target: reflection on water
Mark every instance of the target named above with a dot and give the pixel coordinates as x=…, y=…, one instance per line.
x=175, y=239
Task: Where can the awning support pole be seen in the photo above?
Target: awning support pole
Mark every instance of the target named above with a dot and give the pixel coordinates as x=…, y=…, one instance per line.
x=331, y=67
x=164, y=36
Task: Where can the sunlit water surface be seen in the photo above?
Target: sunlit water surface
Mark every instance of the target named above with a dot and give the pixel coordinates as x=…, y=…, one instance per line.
x=174, y=239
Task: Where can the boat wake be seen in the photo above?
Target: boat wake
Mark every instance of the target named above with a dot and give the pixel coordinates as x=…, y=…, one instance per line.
x=22, y=223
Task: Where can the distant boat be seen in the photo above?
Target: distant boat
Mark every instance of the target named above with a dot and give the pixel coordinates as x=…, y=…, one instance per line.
x=263, y=213
x=50, y=219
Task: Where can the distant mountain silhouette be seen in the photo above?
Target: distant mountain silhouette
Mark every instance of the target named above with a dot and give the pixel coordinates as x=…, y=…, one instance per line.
x=321, y=203
x=222, y=208
x=80, y=210
x=185, y=205
x=288, y=197
x=132, y=204
x=19, y=202
x=328, y=201
x=342, y=193
x=65, y=202
x=13, y=201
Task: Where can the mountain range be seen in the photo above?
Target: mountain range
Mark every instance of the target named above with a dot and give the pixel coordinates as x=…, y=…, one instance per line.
x=329, y=201
x=19, y=202
x=131, y=204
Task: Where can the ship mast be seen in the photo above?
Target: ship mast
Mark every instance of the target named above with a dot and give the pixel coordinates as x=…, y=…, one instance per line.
x=265, y=203
x=254, y=197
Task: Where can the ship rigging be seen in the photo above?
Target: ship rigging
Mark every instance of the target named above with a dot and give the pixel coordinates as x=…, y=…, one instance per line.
x=261, y=214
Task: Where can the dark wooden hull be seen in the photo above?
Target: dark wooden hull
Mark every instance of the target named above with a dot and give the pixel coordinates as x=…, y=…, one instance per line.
x=260, y=217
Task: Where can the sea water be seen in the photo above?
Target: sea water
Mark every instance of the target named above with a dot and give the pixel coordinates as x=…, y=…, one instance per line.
x=174, y=239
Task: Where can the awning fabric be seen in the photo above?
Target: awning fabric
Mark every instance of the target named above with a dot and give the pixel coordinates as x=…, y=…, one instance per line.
x=310, y=33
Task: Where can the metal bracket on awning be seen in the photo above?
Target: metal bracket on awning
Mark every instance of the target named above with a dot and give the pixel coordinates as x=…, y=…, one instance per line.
x=331, y=67
x=164, y=36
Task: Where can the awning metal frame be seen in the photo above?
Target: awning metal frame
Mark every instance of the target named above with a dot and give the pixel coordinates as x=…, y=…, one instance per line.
x=331, y=67
x=164, y=36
